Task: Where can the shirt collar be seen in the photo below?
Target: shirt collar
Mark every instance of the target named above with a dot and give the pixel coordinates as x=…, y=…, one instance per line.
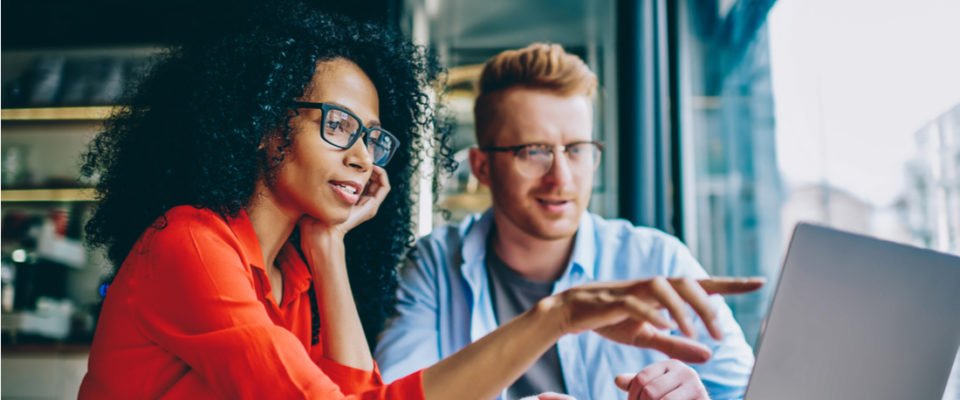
x=475, y=231
x=583, y=259
x=243, y=229
x=296, y=273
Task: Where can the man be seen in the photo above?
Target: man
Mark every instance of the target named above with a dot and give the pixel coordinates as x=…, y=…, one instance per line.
x=534, y=118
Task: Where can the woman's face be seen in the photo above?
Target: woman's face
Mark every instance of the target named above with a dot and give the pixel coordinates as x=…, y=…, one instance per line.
x=315, y=177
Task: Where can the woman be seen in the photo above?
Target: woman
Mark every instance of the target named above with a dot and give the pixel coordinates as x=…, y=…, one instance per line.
x=237, y=186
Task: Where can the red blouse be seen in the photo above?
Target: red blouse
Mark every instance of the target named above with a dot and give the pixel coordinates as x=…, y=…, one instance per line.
x=191, y=315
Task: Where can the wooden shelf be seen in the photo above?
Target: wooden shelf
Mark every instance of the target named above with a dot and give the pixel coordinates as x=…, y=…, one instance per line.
x=48, y=195
x=54, y=347
x=464, y=74
x=57, y=114
x=474, y=202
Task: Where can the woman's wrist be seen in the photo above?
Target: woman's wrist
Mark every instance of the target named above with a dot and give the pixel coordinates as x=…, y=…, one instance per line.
x=329, y=238
x=321, y=249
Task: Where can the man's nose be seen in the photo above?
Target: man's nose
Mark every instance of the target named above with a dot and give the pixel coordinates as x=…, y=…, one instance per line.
x=560, y=173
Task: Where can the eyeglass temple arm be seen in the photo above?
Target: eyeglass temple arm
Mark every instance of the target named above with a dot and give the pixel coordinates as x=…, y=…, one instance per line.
x=502, y=149
x=520, y=147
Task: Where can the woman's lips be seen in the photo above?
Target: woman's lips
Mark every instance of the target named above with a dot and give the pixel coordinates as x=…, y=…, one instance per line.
x=348, y=191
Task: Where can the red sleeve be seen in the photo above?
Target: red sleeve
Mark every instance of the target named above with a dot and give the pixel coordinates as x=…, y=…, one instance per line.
x=368, y=383
x=196, y=299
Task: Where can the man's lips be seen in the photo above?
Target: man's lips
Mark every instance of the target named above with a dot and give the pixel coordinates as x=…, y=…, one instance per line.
x=555, y=205
x=553, y=201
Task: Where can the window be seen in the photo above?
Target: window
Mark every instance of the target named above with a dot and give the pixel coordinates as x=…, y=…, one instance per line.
x=844, y=113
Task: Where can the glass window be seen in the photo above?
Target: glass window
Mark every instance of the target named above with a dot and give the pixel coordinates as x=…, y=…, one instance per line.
x=844, y=113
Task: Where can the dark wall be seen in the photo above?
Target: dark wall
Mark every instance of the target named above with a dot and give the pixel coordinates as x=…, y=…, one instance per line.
x=69, y=23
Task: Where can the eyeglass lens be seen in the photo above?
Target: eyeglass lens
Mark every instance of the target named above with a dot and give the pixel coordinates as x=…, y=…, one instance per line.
x=341, y=129
x=534, y=161
x=380, y=146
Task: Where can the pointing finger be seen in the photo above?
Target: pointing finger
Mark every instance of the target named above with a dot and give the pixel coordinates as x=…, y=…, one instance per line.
x=727, y=285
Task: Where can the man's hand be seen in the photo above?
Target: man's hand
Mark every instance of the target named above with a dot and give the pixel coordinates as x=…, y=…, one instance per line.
x=629, y=312
x=666, y=380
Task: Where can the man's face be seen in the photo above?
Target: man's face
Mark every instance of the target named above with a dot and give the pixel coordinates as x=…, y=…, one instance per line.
x=546, y=207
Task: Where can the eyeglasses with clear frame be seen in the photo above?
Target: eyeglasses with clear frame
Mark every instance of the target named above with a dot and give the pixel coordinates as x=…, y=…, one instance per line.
x=534, y=160
x=341, y=129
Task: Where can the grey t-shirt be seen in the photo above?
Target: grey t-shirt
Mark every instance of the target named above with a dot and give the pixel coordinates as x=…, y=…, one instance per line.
x=513, y=295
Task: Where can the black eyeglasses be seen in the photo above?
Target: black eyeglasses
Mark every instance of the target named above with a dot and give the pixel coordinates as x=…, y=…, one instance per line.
x=342, y=129
x=535, y=159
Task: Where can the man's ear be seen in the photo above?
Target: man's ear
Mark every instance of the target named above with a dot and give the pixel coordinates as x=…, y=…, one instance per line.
x=480, y=165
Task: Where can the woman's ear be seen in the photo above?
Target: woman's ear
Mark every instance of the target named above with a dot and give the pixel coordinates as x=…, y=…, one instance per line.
x=267, y=149
x=274, y=139
x=266, y=139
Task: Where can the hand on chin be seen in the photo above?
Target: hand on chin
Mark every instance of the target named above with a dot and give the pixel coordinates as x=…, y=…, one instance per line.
x=311, y=226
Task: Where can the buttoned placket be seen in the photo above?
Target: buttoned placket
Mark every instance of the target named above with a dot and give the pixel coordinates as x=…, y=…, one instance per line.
x=569, y=348
x=482, y=317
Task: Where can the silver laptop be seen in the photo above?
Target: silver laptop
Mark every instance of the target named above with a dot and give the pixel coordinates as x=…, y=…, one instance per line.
x=858, y=318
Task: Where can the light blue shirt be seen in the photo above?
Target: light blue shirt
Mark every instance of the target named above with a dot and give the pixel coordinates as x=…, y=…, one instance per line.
x=444, y=304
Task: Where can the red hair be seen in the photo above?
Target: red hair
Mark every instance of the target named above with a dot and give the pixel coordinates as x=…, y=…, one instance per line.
x=537, y=66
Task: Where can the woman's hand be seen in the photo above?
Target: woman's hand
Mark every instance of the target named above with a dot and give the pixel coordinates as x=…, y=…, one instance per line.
x=370, y=199
x=319, y=237
x=374, y=192
x=629, y=312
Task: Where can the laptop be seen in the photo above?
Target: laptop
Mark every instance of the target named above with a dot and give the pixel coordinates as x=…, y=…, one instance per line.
x=855, y=317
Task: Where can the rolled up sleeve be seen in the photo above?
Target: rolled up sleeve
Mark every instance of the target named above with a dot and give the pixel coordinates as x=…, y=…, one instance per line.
x=726, y=374
x=409, y=341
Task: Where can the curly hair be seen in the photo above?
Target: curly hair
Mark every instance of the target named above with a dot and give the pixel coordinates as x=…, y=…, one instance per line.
x=188, y=134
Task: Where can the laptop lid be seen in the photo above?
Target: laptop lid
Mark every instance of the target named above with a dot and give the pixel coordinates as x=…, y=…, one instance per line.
x=858, y=318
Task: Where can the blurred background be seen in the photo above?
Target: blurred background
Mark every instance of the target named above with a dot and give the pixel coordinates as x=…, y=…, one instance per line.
x=726, y=122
